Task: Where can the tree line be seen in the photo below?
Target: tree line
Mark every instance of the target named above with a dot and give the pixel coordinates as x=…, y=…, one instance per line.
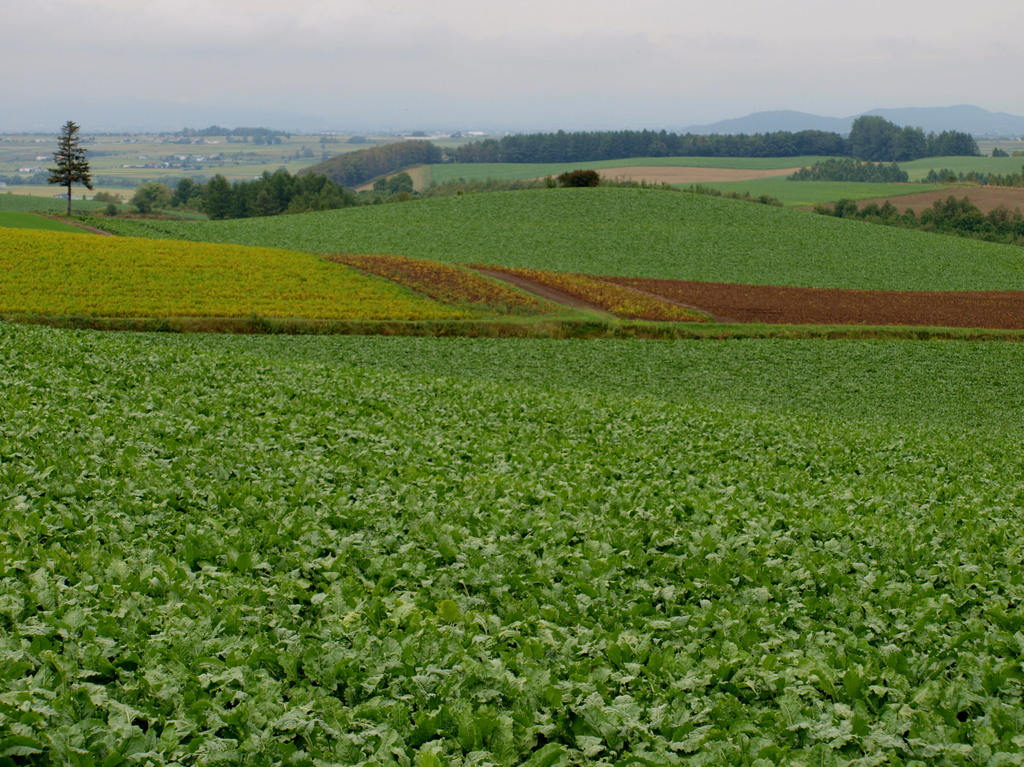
x=875, y=139
x=954, y=216
x=269, y=195
x=871, y=139
x=364, y=165
x=565, y=146
x=946, y=176
x=217, y=130
x=847, y=169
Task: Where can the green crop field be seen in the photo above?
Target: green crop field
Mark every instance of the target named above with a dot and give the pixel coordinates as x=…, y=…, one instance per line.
x=631, y=232
x=918, y=169
x=267, y=550
x=18, y=220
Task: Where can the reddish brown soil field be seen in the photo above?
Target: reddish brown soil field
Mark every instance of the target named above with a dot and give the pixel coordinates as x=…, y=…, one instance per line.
x=726, y=302
x=987, y=198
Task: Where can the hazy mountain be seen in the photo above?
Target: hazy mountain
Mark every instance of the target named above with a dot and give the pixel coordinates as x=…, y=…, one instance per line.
x=966, y=118
x=770, y=122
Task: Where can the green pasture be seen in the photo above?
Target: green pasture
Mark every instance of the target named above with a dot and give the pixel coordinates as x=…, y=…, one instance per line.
x=440, y=174
x=918, y=169
x=13, y=202
x=806, y=194
x=19, y=220
x=270, y=550
x=631, y=232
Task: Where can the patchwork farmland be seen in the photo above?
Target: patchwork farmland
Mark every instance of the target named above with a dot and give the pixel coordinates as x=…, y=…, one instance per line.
x=348, y=532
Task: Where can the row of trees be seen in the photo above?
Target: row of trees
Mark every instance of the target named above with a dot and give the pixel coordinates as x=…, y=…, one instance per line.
x=946, y=176
x=269, y=195
x=872, y=139
x=216, y=130
x=614, y=145
x=875, y=139
x=954, y=216
x=364, y=165
x=847, y=169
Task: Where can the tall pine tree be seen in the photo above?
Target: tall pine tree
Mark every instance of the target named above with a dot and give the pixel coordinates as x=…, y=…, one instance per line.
x=72, y=167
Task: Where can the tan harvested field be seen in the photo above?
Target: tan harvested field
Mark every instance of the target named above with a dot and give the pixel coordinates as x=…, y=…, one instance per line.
x=651, y=174
x=987, y=198
x=420, y=175
x=666, y=174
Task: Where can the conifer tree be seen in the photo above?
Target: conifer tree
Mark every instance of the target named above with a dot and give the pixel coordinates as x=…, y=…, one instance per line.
x=72, y=167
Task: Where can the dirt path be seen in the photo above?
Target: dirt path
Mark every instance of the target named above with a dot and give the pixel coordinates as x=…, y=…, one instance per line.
x=71, y=222
x=544, y=291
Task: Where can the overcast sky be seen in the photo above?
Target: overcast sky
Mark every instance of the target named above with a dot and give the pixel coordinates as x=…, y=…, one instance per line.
x=520, y=64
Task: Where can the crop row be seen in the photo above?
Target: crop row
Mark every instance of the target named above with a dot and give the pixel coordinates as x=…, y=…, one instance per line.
x=447, y=283
x=55, y=273
x=619, y=300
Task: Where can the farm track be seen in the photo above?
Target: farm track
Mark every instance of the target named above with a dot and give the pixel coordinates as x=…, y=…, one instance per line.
x=780, y=305
x=544, y=291
x=78, y=224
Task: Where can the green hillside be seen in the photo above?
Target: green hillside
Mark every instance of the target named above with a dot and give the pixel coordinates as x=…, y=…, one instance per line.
x=632, y=232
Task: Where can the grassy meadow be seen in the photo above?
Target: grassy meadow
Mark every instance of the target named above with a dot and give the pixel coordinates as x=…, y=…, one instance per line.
x=918, y=169
x=631, y=232
x=22, y=220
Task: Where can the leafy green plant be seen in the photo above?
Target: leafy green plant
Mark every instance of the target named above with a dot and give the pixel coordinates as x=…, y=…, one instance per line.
x=412, y=551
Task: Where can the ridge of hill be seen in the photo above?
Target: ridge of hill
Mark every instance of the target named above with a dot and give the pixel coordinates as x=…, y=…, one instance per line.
x=631, y=232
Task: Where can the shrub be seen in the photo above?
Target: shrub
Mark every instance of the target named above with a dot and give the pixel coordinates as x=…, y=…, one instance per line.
x=579, y=178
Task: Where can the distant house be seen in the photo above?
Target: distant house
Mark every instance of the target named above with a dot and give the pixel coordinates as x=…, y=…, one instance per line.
x=3, y=185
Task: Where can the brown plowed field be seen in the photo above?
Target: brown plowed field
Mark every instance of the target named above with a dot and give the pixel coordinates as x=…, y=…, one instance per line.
x=986, y=198
x=1003, y=310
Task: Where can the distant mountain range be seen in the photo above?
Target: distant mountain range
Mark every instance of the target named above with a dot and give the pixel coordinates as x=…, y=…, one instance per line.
x=979, y=122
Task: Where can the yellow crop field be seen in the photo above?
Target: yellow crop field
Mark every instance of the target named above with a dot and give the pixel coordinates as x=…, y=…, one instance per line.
x=54, y=273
